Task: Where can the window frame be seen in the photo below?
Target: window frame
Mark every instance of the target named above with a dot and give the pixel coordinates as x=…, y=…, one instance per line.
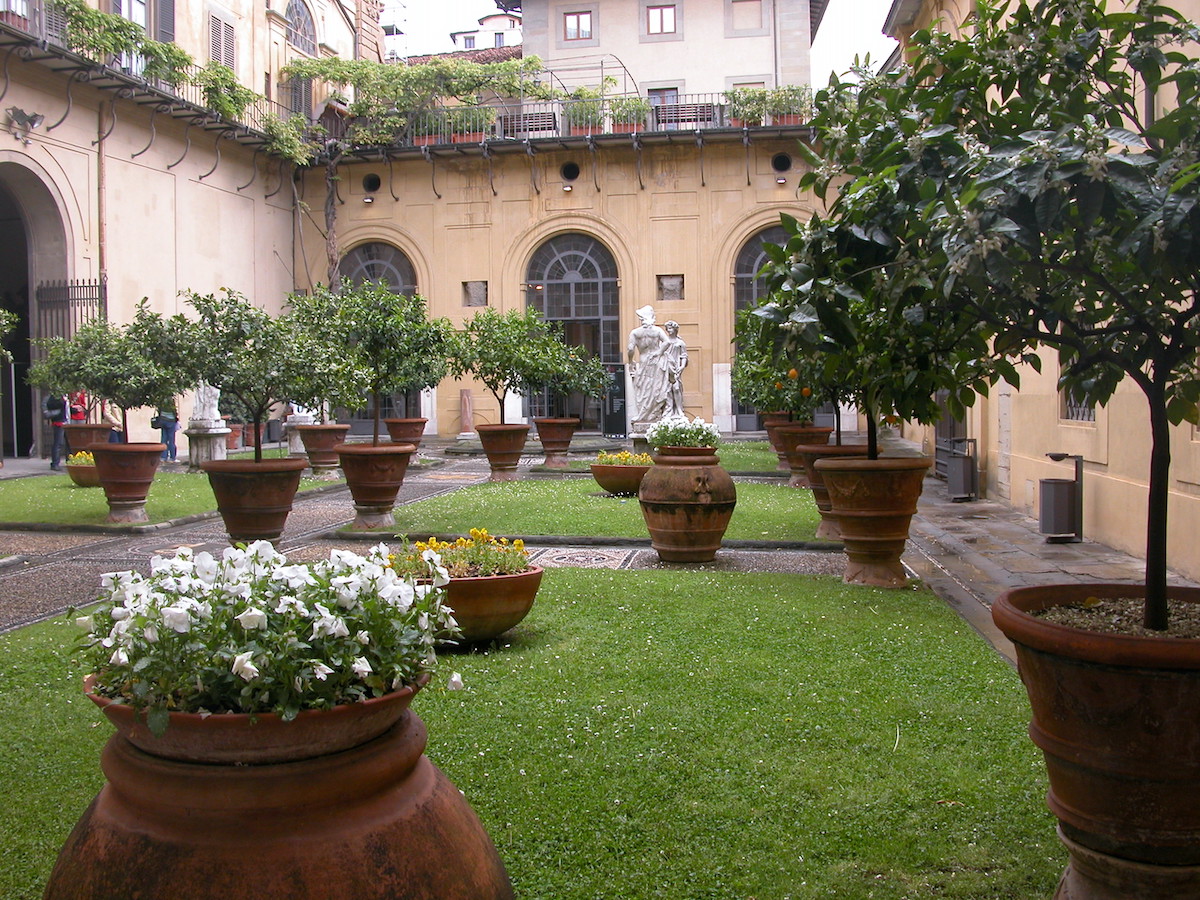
x=660, y=12
x=296, y=37
x=578, y=16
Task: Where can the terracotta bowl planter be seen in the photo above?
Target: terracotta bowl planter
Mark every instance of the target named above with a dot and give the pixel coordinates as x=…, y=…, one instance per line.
x=406, y=431
x=81, y=434
x=503, y=445
x=874, y=501
x=254, y=499
x=1116, y=719
x=555, y=435
x=488, y=606
x=791, y=436
x=687, y=500
x=320, y=442
x=126, y=472
x=336, y=810
x=374, y=474
x=84, y=476
x=622, y=481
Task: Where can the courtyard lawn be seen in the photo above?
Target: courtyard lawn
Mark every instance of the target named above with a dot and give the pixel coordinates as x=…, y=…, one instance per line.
x=56, y=500
x=577, y=507
x=735, y=456
x=679, y=735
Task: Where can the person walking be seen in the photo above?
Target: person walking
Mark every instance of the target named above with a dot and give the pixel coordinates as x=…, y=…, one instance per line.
x=56, y=411
x=168, y=424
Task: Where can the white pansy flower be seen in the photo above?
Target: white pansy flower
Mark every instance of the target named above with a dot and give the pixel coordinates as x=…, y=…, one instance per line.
x=321, y=671
x=329, y=625
x=119, y=657
x=150, y=633
x=252, y=618
x=363, y=637
x=454, y=682
x=243, y=667
x=176, y=618
x=360, y=667
x=85, y=622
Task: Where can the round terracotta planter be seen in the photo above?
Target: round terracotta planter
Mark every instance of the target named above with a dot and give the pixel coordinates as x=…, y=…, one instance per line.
x=125, y=472
x=623, y=481
x=327, y=815
x=374, y=473
x=233, y=440
x=790, y=437
x=320, y=442
x=1116, y=719
x=874, y=501
x=406, y=431
x=254, y=499
x=555, y=435
x=687, y=500
x=828, y=529
x=503, y=445
x=488, y=606
x=81, y=434
x=84, y=476
x=771, y=422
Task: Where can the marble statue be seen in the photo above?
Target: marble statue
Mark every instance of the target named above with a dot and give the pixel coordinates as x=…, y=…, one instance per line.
x=657, y=371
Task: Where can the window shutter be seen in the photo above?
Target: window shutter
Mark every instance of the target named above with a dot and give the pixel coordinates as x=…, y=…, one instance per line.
x=214, y=38
x=164, y=26
x=230, y=57
x=221, y=42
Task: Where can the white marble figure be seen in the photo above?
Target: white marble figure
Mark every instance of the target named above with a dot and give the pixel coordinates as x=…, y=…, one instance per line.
x=650, y=386
x=673, y=359
x=205, y=414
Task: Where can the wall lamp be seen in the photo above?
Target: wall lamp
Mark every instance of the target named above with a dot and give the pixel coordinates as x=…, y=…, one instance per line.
x=779, y=179
x=20, y=123
x=567, y=188
x=368, y=199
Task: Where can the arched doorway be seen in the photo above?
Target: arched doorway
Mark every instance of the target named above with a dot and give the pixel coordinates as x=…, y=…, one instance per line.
x=572, y=279
x=749, y=288
x=33, y=267
x=382, y=263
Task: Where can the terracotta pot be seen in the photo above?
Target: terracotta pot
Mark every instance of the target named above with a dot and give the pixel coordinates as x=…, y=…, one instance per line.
x=790, y=436
x=623, y=481
x=488, y=606
x=687, y=500
x=874, y=501
x=467, y=137
x=406, y=431
x=319, y=443
x=1116, y=719
x=828, y=529
x=628, y=127
x=248, y=433
x=369, y=819
x=503, y=445
x=374, y=474
x=84, y=476
x=233, y=440
x=82, y=434
x=254, y=499
x=771, y=422
x=555, y=435
x=126, y=471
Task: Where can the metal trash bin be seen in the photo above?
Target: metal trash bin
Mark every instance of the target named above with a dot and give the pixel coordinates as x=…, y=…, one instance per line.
x=962, y=470
x=1057, y=506
x=274, y=431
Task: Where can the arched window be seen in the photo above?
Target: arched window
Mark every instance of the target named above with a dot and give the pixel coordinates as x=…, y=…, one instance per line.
x=748, y=290
x=379, y=262
x=572, y=279
x=301, y=32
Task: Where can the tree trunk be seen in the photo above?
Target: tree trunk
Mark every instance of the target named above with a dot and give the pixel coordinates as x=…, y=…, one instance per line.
x=1156, y=512
x=331, y=245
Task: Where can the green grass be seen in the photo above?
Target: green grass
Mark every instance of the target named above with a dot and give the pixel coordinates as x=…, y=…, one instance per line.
x=735, y=456
x=679, y=735
x=577, y=507
x=56, y=500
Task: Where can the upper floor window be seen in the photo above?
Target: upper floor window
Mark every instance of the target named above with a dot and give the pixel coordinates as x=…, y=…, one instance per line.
x=498, y=39
x=222, y=44
x=301, y=32
x=577, y=26
x=469, y=42
x=660, y=19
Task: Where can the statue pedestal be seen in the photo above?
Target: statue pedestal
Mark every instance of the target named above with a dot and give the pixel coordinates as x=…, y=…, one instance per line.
x=204, y=445
x=295, y=444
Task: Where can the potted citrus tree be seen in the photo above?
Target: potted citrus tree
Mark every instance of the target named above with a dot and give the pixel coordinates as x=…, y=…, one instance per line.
x=1062, y=211
x=745, y=107
x=389, y=339
x=143, y=363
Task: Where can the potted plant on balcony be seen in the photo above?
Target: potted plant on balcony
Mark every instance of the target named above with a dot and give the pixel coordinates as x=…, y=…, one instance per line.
x=583, y=109
x=509, y=353
x=1062, y=211
x=389, y=339
x=143, y=363
x=260, y=361
x=791, y=104
x=745, y=107
x=629, y=114
x=470, y=124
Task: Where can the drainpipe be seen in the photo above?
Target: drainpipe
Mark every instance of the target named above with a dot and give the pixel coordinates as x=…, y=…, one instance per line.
x=101, y=203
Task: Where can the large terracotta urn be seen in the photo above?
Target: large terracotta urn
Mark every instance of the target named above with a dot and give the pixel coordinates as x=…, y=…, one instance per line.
x=555, y=435
x=687, y=500
x=792, y=435
x=487, y=606
x=621, y=481
x=771, y=422
x=320, y=444
x=406, y=431
x=326, y=807
x=1115, y=716
x=374, y=474
x=126, y=472
x=503, y=445
x=874, y=501
x=828, y=529
x=254, y=498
